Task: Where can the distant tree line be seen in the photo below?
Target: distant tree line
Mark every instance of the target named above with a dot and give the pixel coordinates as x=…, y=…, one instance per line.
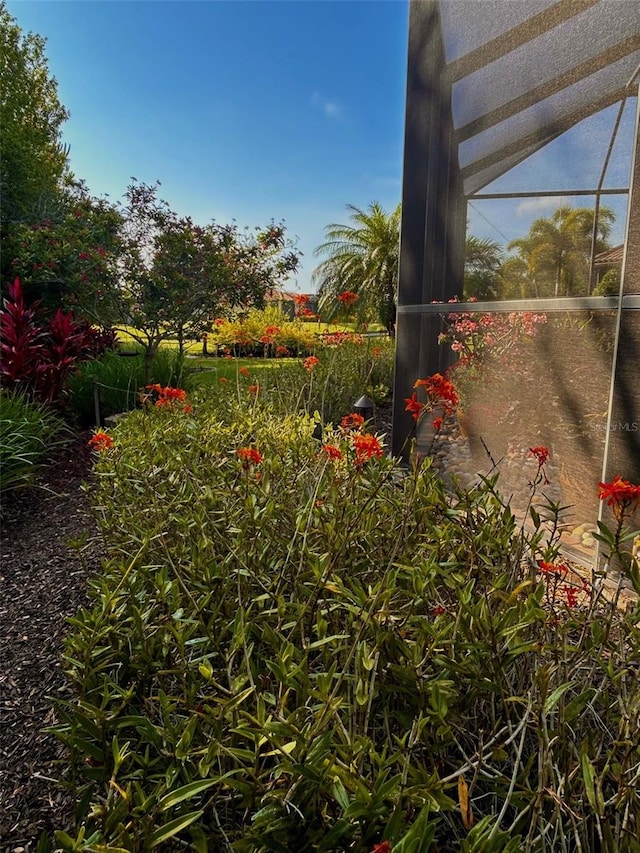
x=133, y=263
x=553, y=259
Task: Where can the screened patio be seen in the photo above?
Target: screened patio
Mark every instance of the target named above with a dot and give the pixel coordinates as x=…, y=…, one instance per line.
x=516, y=105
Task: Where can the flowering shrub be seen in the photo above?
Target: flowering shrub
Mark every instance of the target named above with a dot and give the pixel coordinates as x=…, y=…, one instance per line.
x=330, y=654
x=265, y=333
x=489, y=346
x=474, y=335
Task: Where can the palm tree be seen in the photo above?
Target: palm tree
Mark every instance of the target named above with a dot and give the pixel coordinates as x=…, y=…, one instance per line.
x=362, y=258
x=557, y=250
x=482, y=262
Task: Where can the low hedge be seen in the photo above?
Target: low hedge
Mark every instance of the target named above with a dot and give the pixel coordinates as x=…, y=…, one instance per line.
x=298, y=646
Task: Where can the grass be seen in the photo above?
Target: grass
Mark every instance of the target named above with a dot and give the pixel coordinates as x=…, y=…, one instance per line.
x=210, y=370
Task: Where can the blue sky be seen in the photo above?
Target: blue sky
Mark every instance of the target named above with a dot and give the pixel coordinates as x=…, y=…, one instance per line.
x=255, y=111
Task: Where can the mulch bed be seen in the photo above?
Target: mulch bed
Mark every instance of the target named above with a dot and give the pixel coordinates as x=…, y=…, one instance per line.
x=43, y=581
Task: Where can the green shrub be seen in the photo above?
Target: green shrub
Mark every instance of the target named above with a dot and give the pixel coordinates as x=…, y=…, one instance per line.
x=120, y=379
x=28, y=432
x=294, y=652
x=609, y=284
x=261, y=332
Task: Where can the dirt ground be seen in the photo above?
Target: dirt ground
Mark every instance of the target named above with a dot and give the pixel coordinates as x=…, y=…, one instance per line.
x=43, y=581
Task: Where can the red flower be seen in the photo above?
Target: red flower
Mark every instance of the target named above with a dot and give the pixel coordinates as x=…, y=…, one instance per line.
x=187, y=410
x=244, y=371
x=552, y=568
x=223, y=380
x=414, y=406
x=437, y=424
x=100, y=441
x=541, y=454
x=332, y=451
x=249, y=456
x=620, y=494
x=282, y=352
x=348, y=298
x=376, y=352
x=352, y=421
x=272, y=330
x=572, y=595
x=219, y=321
x=254, y=389
x=366, y=447
x=300, y=298
x=383, y=847
x=310, y=363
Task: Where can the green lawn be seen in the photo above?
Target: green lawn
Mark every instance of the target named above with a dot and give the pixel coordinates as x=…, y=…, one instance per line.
x=210, y=370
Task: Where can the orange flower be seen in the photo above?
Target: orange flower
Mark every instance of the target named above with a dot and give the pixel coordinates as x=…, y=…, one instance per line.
x=253, y=389
x=376, y=352
x=244, y=371
x=282, y=352
x=249, y=456
x=352, y=421
x=187, y=410
x=366, y=447
x=414, y=406
x=620, y=495
x=439, y=388
x=332, y=451
x=552, y=568
x=100, y=441
x=310, y=363
x=223, y=380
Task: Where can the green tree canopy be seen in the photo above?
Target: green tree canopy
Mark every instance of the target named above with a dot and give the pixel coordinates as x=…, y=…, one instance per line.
x=174, y=277
x=362, y=258
x=483, y=260
x=32, y=160
x=557, y=250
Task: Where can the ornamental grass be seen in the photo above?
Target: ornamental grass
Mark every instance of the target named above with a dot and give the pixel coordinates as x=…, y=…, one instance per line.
x=296, y=645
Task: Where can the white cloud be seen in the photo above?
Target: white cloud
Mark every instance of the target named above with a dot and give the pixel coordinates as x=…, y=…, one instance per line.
x=534, y=205
x=331, y=108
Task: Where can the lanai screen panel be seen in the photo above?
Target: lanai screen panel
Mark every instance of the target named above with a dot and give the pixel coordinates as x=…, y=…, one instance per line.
x=499, y=81
x=524, y=71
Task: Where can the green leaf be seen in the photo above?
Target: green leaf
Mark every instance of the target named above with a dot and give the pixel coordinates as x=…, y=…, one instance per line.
x=577, y=705
x=592, y=785
x=552, y=700
x=169, y=830
x=184, y=793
